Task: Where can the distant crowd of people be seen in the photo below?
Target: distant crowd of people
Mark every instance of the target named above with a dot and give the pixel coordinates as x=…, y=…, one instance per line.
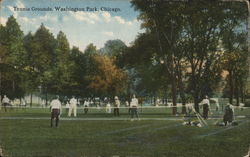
x=71, y=108
x=72, y=104
x=6, y=102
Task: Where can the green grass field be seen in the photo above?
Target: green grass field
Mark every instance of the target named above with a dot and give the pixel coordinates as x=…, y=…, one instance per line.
x=109, y=138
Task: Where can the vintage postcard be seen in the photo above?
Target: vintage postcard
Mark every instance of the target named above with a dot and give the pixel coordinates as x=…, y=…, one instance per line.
x=124, y=78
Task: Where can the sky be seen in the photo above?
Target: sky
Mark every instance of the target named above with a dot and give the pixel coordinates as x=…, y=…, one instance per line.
x=81, y=27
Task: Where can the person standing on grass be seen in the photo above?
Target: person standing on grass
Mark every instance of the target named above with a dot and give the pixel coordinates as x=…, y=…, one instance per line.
x=6, y=102
x=206, y=107
x=128, y=106
x=134, y=106
x=157, y=102
x=73, y=106
x=229, y=114
x=86, y=106
x=56, y=108
x=108, y=108
x=117, y=106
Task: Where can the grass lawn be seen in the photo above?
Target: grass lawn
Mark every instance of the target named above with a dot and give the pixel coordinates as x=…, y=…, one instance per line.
x=93, y=112
x=34, y=137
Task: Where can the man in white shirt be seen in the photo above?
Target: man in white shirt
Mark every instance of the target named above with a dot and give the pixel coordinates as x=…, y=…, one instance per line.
x=134, y=105
x=206, y=107
x=73, y=106
x=108, y=108
x=56, y=108
x=6, y=102
x=117, y=106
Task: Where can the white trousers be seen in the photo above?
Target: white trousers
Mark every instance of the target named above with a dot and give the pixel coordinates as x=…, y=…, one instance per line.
x=108, y=109
x=72, y=108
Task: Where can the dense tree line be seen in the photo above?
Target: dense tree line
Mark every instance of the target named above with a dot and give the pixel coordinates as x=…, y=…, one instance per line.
x=189, y=49
x=195, y=42
x=39, y=61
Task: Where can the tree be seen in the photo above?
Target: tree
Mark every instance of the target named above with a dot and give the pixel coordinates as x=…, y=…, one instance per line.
x=43, y=58
x=89, y=54
x=3, y=51
x=79, y=72
x=31, y=79
x=114, y=49
x=188, y=35
x=234, y=61
x=63, y=72
x=165, y=20
x=90, y=50
x=13, y=58
x=206, y=25
x=145, y=67
x=107, y=79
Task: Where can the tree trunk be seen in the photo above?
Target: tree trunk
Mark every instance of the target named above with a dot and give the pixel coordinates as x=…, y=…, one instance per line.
x=174, y=95
x=196, y=102
x=46, y=98
x=196, y=96
x=31, y=97
x=13, y=86
x=237, y=94
x=242, y=94
x=182, y=94
x=231, y=87
x=154, y=100
x=237, y=100
x=183, y=99
x=194, y=90
x=0, y=88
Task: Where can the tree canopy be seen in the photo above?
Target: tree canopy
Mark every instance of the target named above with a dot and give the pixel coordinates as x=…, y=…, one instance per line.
x=189, y=49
